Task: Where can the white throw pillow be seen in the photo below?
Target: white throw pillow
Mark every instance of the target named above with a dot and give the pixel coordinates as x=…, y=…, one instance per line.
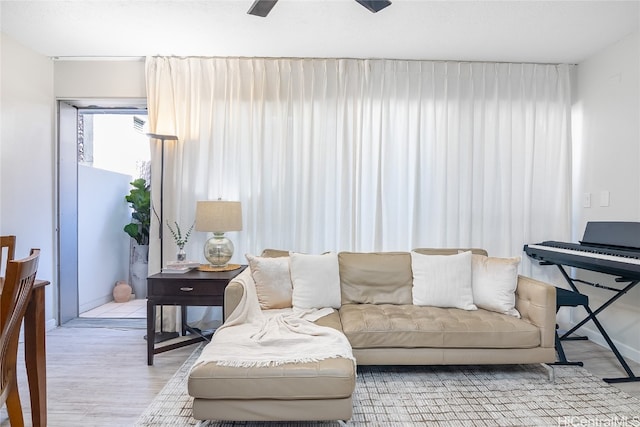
x=442, y=280
x=316, y=280
x=273, y=281
x=494, y=282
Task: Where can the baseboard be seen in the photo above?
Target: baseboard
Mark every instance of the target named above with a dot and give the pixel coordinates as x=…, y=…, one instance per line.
x=96, y=302
x=628, y=352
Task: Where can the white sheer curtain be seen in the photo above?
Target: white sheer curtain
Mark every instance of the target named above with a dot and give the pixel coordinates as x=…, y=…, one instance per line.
x=365, y=155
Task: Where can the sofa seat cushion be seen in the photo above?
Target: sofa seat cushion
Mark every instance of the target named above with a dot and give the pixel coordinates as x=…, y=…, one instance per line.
x=410, y=326
x=326, y=379
x=331, y=320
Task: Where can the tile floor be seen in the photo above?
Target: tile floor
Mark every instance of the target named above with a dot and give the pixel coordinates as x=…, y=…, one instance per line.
x=133, y=309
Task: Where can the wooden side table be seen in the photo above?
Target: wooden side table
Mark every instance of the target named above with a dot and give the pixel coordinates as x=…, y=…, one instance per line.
x=194, y=288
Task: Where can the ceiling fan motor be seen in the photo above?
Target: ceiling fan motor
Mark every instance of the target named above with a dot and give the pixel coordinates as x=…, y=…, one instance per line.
x=263, y=7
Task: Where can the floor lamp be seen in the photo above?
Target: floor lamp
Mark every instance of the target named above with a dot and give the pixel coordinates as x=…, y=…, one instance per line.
x=162, y=335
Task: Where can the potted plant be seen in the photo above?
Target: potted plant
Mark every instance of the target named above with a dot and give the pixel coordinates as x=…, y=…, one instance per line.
x=139, y=199
x=180, y=239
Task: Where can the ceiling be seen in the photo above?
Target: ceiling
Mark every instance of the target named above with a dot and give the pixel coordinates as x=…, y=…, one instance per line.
x=507, y=31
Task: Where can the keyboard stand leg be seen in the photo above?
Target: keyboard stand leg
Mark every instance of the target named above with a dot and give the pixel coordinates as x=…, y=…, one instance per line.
x=631, y=377
x=576, y=338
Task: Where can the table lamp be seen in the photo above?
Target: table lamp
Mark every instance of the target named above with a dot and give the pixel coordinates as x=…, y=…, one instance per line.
x=218, y=217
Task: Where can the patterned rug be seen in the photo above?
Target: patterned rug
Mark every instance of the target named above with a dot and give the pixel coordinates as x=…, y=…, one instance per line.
x=502, y=395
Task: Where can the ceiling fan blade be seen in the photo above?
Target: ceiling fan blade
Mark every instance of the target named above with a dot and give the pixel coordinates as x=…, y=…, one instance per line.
x=374, y=5
x=261, y=7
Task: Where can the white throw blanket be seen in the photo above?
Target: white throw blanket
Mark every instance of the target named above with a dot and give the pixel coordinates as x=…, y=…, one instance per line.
x=254, y=338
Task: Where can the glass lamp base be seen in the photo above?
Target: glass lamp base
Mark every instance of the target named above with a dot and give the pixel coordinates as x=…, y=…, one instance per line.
x=218, y=250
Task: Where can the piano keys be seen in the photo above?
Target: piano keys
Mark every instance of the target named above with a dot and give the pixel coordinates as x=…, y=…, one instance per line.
x=624, y=265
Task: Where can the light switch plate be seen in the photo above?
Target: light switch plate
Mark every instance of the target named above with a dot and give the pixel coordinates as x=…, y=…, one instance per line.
x=604, y=198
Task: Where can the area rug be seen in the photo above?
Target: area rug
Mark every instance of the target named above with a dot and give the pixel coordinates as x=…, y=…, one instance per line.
x=502, y=395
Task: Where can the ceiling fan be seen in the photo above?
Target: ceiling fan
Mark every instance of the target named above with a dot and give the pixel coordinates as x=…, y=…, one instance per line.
x=263, y=7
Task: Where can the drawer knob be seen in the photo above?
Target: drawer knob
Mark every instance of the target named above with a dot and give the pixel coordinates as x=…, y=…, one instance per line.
x=186, y=289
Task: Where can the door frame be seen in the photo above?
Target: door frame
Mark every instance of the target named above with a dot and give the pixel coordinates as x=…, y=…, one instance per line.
x=67, y=194
x=67, y=213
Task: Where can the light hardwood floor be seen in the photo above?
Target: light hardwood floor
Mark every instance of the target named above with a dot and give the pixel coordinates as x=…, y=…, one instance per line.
x=99, y=377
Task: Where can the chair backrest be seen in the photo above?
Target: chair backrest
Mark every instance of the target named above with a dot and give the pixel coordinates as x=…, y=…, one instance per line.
x=21, y=275
x=7, y=243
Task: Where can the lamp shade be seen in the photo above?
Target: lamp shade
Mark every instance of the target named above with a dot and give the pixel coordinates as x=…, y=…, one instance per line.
x=218, y=216
x=162, y=137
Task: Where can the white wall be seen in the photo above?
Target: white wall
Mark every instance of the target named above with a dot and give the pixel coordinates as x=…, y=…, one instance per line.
x=27, y=192
x=103, y=246
x=606, y=156
x=100, y=79
x=30, y=84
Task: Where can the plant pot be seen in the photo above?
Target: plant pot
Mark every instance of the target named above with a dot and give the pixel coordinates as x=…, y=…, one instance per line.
x=139, y=269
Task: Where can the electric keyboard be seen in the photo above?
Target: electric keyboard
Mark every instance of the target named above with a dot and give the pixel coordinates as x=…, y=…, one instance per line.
x=605, y=248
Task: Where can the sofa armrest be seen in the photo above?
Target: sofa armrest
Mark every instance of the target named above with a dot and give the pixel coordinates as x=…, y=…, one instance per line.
x=234, y=291
x=536, y=302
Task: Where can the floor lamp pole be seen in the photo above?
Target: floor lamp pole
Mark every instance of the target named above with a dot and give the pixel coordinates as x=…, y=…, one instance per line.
x=162, y=335
x=161, y=227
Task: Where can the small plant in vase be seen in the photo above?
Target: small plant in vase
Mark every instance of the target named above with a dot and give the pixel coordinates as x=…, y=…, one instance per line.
x=180, y=239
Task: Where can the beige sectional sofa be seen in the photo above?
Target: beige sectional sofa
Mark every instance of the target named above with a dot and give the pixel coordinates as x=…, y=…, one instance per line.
x=383, y=327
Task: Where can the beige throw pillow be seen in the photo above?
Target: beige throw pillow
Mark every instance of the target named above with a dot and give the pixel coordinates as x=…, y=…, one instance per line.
x=273, y=281
x=316, y=280
x=494, y=282
x=442, y=280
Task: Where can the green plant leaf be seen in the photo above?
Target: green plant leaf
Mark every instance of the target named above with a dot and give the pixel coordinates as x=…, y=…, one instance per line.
x=139, y=199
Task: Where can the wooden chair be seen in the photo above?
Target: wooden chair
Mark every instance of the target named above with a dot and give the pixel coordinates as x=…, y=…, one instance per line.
x=19, y=280
x=8, y=242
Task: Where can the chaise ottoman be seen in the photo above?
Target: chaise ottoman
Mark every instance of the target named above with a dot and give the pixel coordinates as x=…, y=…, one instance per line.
x=289, y=392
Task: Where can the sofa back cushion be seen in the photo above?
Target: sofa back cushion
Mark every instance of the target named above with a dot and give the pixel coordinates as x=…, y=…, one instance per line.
x=449, y=251
x=375, y=278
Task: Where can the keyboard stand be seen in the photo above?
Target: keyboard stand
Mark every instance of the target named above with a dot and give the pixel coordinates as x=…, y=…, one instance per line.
x=631, y=377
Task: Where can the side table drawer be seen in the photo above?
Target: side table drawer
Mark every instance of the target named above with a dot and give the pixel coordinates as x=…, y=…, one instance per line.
x=186, y=288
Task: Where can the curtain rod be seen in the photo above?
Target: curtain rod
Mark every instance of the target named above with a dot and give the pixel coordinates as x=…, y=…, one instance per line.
x=97, y=58
x=142, y=58
x=443, y=61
